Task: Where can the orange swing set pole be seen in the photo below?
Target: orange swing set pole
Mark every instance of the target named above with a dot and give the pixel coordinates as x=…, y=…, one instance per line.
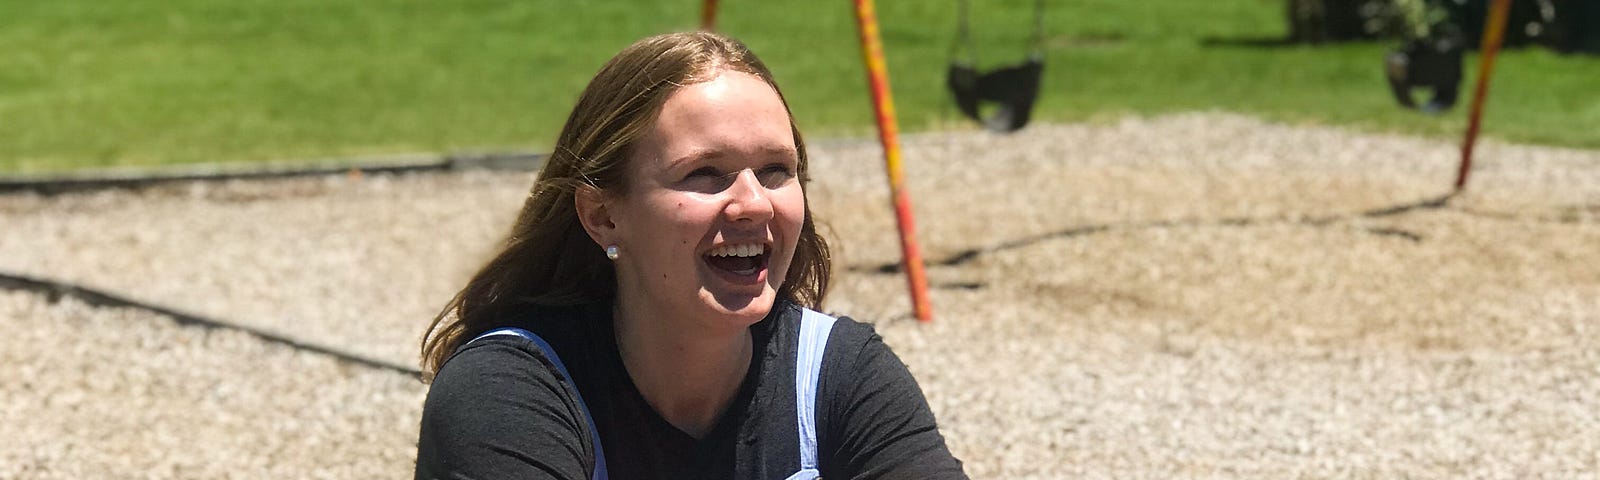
x=883, y=108
x=708, y=16
x=1494, y=31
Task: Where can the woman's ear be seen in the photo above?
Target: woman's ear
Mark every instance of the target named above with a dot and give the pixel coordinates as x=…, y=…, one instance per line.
x=595, y=215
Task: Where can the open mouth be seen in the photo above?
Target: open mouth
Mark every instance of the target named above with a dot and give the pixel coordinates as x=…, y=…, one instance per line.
x=744, y=260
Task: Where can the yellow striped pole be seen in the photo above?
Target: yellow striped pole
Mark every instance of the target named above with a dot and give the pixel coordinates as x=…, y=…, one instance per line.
x=1494, y=31
x=883, y=108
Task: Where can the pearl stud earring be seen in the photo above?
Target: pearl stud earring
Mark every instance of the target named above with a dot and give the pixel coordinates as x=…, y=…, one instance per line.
x=611, y=252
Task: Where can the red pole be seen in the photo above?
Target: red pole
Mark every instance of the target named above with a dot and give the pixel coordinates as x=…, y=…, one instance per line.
x=1494, y=30
x=708, y=16
x=883, y=108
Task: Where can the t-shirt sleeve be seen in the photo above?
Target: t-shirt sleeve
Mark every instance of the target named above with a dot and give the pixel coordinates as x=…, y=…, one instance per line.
x=881, y=425
x=499, y=410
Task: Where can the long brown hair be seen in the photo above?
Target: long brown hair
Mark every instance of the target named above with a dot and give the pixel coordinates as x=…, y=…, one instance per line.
x=548, y=258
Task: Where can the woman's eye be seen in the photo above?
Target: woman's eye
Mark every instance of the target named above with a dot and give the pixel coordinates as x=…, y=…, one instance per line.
x=705, y=180
x=710, y=179
x=703, y=172
x=775, y=175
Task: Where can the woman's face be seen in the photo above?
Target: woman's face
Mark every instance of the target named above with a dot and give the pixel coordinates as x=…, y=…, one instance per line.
x=714, y=206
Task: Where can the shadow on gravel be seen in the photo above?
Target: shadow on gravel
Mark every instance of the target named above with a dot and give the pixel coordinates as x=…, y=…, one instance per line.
x=54, y=291
x=970, y=254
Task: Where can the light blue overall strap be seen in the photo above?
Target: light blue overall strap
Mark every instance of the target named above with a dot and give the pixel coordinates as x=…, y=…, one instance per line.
x=550, y=353
x=814, y=329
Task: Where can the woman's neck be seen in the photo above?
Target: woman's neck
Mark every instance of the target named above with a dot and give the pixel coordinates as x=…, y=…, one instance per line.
x=688, y=375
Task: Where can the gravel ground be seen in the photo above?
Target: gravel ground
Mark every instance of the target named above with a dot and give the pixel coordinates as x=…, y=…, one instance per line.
x=118, y=393
x=1200, y=295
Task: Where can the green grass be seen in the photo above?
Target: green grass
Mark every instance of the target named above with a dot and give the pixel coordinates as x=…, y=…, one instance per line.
x=88, y=83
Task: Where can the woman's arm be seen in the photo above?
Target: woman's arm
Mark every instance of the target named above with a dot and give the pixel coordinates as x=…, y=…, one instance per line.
x=498, y=409
x=881, y=426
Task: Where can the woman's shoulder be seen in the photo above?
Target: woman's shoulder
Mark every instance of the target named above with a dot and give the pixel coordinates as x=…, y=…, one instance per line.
x=872, y=413
x=789, y=315
x=491, y=366
x=498, y=409
x=844, y=330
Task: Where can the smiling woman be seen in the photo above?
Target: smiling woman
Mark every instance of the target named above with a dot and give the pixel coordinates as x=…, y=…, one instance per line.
x=651, y=314
x=712, y=205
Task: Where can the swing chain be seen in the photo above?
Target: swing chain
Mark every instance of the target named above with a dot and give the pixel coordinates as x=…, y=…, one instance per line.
x=965, y=49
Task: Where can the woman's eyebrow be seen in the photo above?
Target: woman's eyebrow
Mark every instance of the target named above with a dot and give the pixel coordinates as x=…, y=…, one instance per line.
x=696, y=155
x=789, y=153
x=783, y=150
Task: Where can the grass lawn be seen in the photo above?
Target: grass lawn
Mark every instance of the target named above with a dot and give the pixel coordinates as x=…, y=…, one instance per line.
x=87, y=83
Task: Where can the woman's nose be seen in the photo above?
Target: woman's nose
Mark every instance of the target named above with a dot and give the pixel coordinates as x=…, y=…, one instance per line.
x=750, y=200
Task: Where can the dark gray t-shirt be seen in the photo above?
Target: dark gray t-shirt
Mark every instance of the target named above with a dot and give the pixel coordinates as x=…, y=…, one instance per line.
x=499, y=409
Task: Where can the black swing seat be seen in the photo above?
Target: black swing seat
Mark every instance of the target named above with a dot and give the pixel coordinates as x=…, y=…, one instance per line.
x=1013, y=90
x=1430, y=64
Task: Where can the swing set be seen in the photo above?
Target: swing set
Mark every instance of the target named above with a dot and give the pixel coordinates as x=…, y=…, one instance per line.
x=1009, y=94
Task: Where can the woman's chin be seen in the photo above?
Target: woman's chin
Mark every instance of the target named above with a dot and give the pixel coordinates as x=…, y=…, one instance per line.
x=741, y=307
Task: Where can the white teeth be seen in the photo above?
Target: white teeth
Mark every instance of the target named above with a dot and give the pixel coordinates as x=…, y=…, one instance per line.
x=748, y=250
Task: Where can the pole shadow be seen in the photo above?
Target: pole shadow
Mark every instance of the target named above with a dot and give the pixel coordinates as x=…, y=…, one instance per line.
x=970, y=254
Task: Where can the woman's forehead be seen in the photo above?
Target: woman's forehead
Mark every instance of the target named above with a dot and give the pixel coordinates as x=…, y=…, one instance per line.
x=732, y=114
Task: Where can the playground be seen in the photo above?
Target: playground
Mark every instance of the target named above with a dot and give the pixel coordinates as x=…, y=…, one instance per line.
x=1199, y=295
x=1144, y=279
